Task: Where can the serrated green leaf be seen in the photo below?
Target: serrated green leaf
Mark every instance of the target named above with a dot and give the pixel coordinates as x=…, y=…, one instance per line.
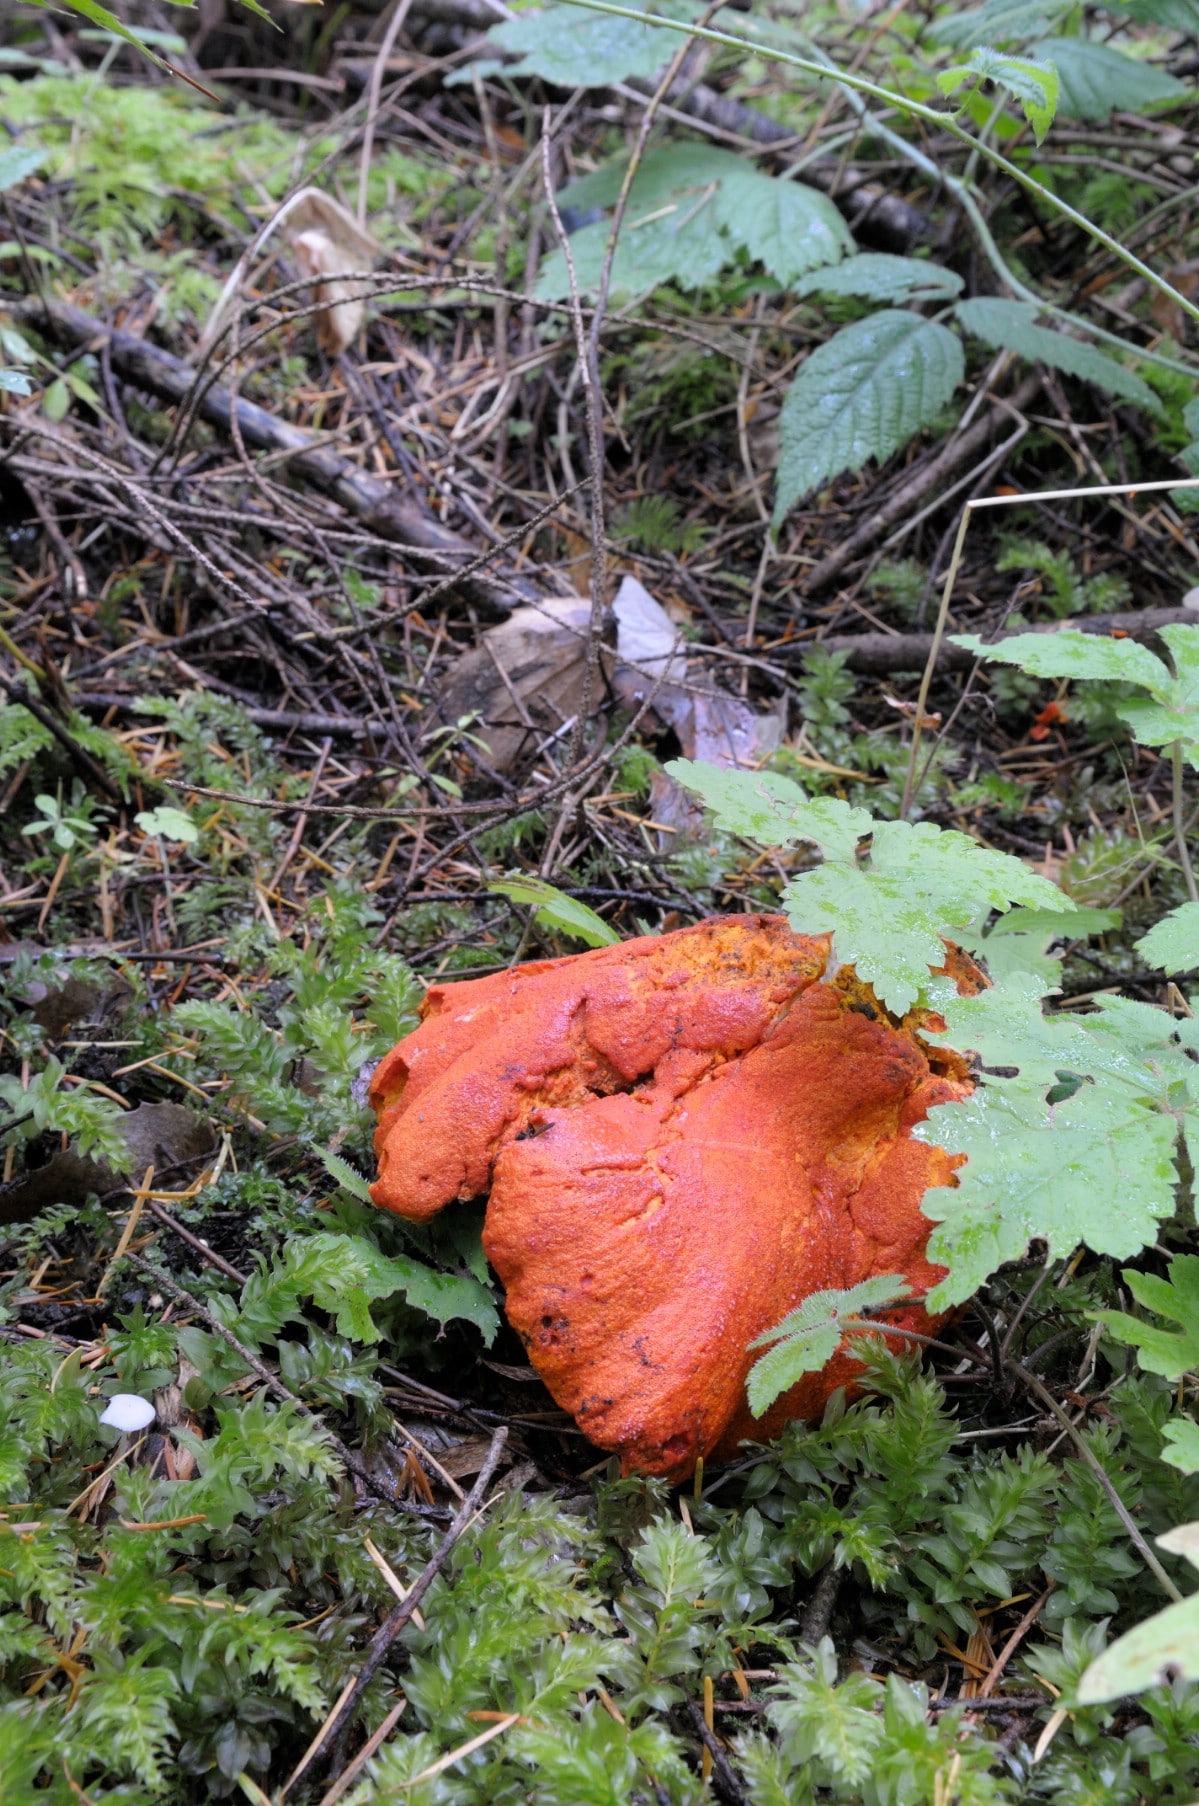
x=1172, y=944
x=556, y=910
x=809, y=1337
x=1182, y=1444
x=890, y=918
x=347, y=1176
x=1034, y=84
x=1020, y=941
x=1070, y=653
x=1107, y=1181
x=691, y=208
x=1058, y=924
x=1071, y=1140
x=17, y=162
x=760, y=805
x=999, y=22
x=888, y=911
x=880, y=276
x=574, y=49
x=1166, y=1351
x=1012, y=326
x=1095, y=79
x=1169, y=712
x=788, y=228
x=347, y=1273
x=863, y=394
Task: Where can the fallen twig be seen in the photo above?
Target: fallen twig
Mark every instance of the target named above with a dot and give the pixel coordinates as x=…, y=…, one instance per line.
x=366, y=497
x=884, y=652
x=338, y=1722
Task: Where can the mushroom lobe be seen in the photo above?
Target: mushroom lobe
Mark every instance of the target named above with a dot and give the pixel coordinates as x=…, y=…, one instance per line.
x=682, y=1138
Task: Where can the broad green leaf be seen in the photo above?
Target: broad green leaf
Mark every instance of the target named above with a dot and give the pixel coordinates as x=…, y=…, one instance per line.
x=786, y=227
x=891, y=916
x=556, y=910
x=665, y=174
x=1095, y=79
x=999, y=22
x=809, y=1337
x=1068, y=652
x=56, y=400
x=692, y=207
x=1171, y=711
x=888, y=910
x=13, y=382
x=1071, y=1139
x=1172, y=944
x=1176, y=15
x=880, y=276
x=681, y=246
x=1182, y=1444
x=575, y=49
x=1012, y=326
x=1170, y=1352
x=863, y=394
x=1034, y=84
x=1162, y=1649
x=17, y=162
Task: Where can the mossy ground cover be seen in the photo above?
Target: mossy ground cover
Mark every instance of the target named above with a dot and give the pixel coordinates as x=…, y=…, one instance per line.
x=239, y=837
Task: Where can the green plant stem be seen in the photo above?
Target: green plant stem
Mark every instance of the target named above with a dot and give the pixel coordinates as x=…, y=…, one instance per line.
x=1180, y=835
x=959, y=188
x=915, y=109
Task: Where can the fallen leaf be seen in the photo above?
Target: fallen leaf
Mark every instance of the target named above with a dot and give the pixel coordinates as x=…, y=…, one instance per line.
x=708, y=723
x=524, y=679
x=164, y=1136
x=329, y=245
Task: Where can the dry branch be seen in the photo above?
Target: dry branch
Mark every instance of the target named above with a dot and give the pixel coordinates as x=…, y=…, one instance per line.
x=959, y=451
x=881, y=653
x=430, y=546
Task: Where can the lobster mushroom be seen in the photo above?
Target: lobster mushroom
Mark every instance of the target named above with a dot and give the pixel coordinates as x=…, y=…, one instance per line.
x=680, y=1138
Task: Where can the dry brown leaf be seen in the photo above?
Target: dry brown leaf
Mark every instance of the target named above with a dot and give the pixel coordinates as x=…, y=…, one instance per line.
x=524, y=679
x=329, y=246
x=164, y=1136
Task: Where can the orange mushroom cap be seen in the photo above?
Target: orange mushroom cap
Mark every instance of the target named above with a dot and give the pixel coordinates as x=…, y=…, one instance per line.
x=683, y=1137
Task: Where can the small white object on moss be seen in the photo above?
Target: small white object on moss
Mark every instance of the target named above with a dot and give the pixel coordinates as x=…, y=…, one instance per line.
x=126, y=1411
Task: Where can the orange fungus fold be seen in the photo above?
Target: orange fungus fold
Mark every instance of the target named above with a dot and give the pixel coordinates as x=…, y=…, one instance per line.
x=680, y=1138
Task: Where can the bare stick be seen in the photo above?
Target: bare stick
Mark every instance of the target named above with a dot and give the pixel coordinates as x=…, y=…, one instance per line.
x=380, y=1644
x=372, y=103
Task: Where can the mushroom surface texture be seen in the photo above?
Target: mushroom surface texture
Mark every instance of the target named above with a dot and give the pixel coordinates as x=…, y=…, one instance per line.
x=680, y=1138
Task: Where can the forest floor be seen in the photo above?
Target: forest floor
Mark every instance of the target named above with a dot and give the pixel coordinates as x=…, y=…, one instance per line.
x=299, y=663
